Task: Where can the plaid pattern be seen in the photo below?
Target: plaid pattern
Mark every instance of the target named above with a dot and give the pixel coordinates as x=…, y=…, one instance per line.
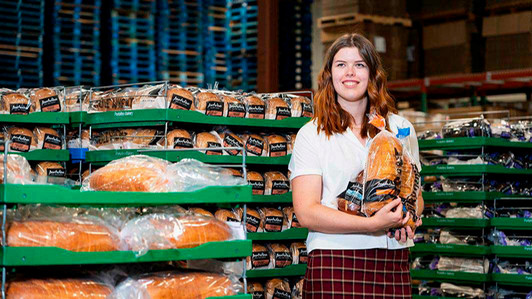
x=365, y=273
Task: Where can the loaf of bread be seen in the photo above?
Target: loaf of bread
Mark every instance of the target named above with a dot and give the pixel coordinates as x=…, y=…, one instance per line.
x=256, y=290
x=281, y=255
x=16, y=103
x=144, y=137
x=233, y=107
x=255, y=145
x=234, y=172
x=178, y=138
x=290, y=218
x=18, y=169
x=208, y=140
x=52, y=169
x=350, y=200
x=301, y=107
x=82, y=237
x=56, y=288
x=277, y=288
x=255, y=107
x=134, y=173
x=410, y=188
x=180, y=98
x=200, y=211
x=148, y=97
x=253, y=220
x=299, y=253
x=230, y=139
x=276, y=183
x=48, y=138
x=209, y=104
x=46, y=100
x=297, y=289
x=77, y=100
x=277, y=109
x=256, y=181
x=22, y=139
x=226, y=215
x=273, y=219
x=122, y=99
x=100, y=101
x=277, y=145
x=290, y=142
x=260, y=258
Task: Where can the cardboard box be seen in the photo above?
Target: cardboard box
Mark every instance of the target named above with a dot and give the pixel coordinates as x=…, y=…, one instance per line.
x=395, y=8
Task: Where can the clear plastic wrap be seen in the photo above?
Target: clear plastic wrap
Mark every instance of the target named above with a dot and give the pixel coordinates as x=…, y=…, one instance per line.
x=255, y=107
x=149, y=97
x=260, y=258
x=300, y=106
x=253, y=219
x=465, y=212
x=277, y=145
x=178, y=285
x=226, y=215
x=142, y=138
x=76, y=99
x=297, y=289
x=18, y=170
x=22, y=139
x=233, y=107
x=48, y=138
x=256, y=289
x=278, y=288
x=230, y=139
x=209, y=140
x=299, y=253
x=281, y=255
x=290, y=219
x=276, y=183
x=180, y=98
x=178, y=139
x=277, y=108
x=451, y=290
x=47, y=99
x=73, y=140
x=350, y=200
x=273, y=219
x=209, y=103
x=256, y=180
x=463, y=265
x=467, y=128
x=200, y=211
x=15, y=103
x=50, y=172
x=57, y=288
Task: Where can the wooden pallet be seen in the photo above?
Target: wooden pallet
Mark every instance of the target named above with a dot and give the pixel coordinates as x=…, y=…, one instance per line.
x=353, y=18
x=508, y=7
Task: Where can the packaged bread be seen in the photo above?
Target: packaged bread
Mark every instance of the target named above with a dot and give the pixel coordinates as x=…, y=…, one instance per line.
x=143, y=138
x=122, y=99
x=234, y=172
x=277, y=145
x=2, y=141
x=148, y=97
x=253, y=220
x=209, y=103
x=46, y=100
x=109, y=139
x=171, y=231
x=277, y=288
x=256, y=290
x=301, y=107
x=297, y=289
x=76, y=100
x=299, y=253
x=74, y=141
x=209, y=140
x=256, y=180
x=50, y=169
x=290, y=142
x=255, y=145
x=255, y=107
x=178, y=138
x=277, y=109
x=276, y=183
x=230, y=139
x=410, y=188
x=18, y=169
x=260, y=258
x=233, y=107
x=136, y=173
x=382, y=176
x=48, y=138
x=273, y=219
x=100, y=101
x=200, y=211
x=180, y=98
x=226, y=215
x=290, y=218
x=350, y=200
x=280, y=254
x=16, y=103
x=57, y=288
x=21, y=139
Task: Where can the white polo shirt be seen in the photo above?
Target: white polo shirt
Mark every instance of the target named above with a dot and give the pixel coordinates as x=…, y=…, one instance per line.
x=337, y=159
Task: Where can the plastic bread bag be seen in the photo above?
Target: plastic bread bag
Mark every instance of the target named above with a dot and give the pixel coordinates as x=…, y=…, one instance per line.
x=350, y=200
x=297, y=289
x=180, y=98
x=260, y=258
x=200, y=211
x=501, y=129
x=465, y=212
x=50, y=172
x=178, y=285
x=177, y=139
x=253, y=219
x=101, y=101
x=277, y=108
x=255, y=107
x=57, y=288
x=281, y=255
x=150, y=97
x=273, y=219
x=18, y=170
x=41, y=226
x=21, y=139
x=47, y=99
x=290, y=141
x=299, y=253
x=226, y=215
x=447, y=237
x=162, y=209
x=463, y=264
x=136, y=173
x=15, y=103
x=234, y=172
x=290, y=219
x=278, y=288
x=208, y=140
x=109, y=139
x=76, y=99
x=48, y=138
x=451, y=290
x=255, y=145
x=256, y=180
x=300, y=106
x=233, y=107
x=256, y=290
x=2, y=141
x=277, y=145
x=467, y=128
x=276, y=183
x=230, y=139
x=122, y=99
x=209, y=103
x=74, y=141
x=521, y=131
x=172, y=231
x=144, y=138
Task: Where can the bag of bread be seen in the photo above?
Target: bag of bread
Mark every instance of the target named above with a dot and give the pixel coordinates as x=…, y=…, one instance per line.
x=234, y=172
x=48, y=138
x=255, y=107
x=57, y=288
x=290, y=218
x=233, y=107
x=297, y=289
x=200, y=211
x=76, y=99
x=299, y=253
x=277, y=145
x=276, y=183
x=109, y=139
x=177, y=139
x=122, y=99
x=2, y=141
x=290, y=142
x=21, y=139
x=277, y=109
x=255, y=145
x=350, y=200
x=301, y=107
x=209, y=103
x=136, y=173
x=73, y=140
x=143, y=138
x=178, y=285
x=50, y=172
x=281, y=255
x=15, y=103
x=273, y=219
x=260, y=258
x=46, y=99
x=18, y=170
x=256, y=290
x=256, y=180
x=253, y=220
x=226, y=215
x=230, y=139
x=208, y=140
x=180, y=98
x=278, y=289
x=148, y=97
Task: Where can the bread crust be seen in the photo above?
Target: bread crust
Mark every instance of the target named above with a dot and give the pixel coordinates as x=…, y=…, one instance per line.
x=55, y=288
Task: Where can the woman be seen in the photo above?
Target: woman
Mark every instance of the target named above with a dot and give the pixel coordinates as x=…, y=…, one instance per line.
x=350, y=256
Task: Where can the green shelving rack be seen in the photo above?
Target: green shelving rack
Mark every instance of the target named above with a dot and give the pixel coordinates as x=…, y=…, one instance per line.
x=292, y=270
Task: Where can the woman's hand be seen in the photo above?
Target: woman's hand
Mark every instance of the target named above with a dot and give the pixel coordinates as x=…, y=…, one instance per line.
x=390, y=216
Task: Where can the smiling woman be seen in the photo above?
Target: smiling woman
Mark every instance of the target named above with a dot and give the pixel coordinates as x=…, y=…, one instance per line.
x=350, y=255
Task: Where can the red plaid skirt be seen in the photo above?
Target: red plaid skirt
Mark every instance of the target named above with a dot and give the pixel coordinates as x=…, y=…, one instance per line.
x=364, y=273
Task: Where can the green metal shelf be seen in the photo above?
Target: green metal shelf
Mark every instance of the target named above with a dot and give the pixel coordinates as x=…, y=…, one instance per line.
x=295, y=233
x=455, y=222
x=448, y=275
x=512, y=223
x=54, y=194
x=281, y=198
x=512, y=279
x=472, y=196
x=78, y=117
x=470, y=143
x=39, y=256
x=512, y=251
x=469, y=250
x=111, y=119
x=431, y=297
x=61, y=118
x=292, y=270
x=241, y=296
x=466, y=170
x=45, y=155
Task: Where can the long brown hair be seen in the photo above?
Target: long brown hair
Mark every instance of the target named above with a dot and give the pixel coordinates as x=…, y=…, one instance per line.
x=330, y=116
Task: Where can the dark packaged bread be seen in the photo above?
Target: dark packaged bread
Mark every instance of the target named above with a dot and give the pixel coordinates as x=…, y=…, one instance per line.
x=226, y=215
x=46, y=100
x=233, y=107
x=277, y=109
x=180, y=98
x=277, y=145
x=280, y=254
x=22, y=139
x=230, y=139
x=256, y=290
x=200, y=211
x=301, y=107
x=350, y=200
x=256, y=180
x=276, y=183
x=178, y=138
x=16, y=103
x=52, y=169
x=253, y=219
x=208, y=140
x=255, y=107
x=277, y=289
x=272, y=219
x=260, y=258
x=410, y=189
x=290, y=217
x=209, y=103
x=57, y=288
x=48, y=138
x=299, y=253
x=255, y=145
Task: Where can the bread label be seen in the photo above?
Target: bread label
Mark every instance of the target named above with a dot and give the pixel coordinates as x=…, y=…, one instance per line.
x=257, y=187
x=257, y=295
x=280, y=294
x=295, y=222
x=282, y=113
x=256, y=111
x=51, y=142
x=306, y=110
x=282, y=259
x=254, y=146
x=55, y=172
x=260, y=259
x=280, y=187
x=50, y=104
x=214, y=108
x=19, y=108
x=230, y=141
x=278, y=149
x=211, y=144
x=179, y=102
x=183, y=142
x=273, y=223
x=20, y=142
x=303, y=255
x=252, y=223
x=379, y=190
x=236, y=110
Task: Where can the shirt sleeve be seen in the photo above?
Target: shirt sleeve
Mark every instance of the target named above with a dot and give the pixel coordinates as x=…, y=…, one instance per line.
x=305, y=154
